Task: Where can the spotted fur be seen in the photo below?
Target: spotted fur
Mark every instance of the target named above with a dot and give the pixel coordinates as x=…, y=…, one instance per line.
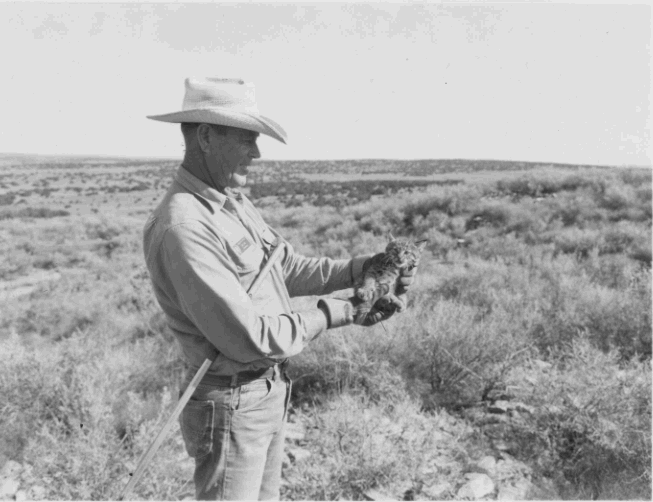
x=380, y=279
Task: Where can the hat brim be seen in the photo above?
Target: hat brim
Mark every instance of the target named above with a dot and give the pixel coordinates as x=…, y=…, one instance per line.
x=220, y=116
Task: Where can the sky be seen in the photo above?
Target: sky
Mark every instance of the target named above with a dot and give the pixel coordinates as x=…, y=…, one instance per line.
x=546, y=82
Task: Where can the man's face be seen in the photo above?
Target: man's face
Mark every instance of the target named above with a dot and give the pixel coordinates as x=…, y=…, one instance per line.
x=230, y=156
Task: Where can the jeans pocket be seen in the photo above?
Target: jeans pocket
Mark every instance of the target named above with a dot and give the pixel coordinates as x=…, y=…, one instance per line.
x=251, y=395
x=197, y=425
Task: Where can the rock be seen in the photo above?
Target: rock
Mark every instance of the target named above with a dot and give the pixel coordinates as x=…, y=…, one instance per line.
x=298, y=454
x=8, y=488
x=436, y=491
x=478, y=486
x=515, y=491
x=11, y=469
x=543, y=365
x=512, y=470
x=20, y=495
x=499, y=407
x=524, y=408
x=36, y=492
x=486, y=465
x=373, y=494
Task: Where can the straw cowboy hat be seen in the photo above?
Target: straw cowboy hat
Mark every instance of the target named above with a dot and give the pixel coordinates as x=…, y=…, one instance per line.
x=223, y=101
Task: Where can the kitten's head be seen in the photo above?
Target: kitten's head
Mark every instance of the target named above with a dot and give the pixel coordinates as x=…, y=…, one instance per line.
x=404, y=253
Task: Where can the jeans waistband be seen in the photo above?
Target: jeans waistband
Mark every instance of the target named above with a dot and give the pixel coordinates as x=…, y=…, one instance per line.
x=238, y=379
x=241, y=378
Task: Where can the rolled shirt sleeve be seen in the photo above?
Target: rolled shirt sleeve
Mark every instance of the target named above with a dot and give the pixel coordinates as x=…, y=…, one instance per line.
x=209, y=292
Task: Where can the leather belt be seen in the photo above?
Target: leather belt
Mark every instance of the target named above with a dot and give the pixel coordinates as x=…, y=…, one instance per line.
x=238, y=379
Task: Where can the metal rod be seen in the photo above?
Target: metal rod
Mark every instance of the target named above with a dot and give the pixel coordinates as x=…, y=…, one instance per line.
x=145, y=459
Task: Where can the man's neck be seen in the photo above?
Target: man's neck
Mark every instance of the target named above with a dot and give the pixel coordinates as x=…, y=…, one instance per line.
x=196, y=167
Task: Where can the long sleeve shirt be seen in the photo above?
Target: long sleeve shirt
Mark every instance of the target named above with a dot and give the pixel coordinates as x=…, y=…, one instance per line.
x=203, y=249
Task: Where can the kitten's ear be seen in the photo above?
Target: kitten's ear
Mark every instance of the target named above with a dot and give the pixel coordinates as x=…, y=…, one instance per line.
x=391, y=237
x=421, y=244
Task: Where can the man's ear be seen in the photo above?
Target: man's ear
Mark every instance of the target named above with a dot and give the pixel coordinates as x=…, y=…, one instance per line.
x=203, y=136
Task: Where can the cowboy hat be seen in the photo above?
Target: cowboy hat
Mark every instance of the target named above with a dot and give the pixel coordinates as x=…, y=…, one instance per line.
x=223, y=101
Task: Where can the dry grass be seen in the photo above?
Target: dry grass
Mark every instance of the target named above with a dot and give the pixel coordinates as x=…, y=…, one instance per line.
x=541, y=299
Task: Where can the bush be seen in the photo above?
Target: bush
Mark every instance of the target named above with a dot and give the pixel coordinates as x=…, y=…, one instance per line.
x=32, y=212
x=591, y=419
x=359, y=446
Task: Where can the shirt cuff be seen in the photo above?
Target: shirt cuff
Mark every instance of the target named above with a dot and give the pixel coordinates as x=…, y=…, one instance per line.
x=357, y=267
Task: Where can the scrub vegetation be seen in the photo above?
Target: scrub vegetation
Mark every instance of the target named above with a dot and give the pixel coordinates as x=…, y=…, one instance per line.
x=528, y=334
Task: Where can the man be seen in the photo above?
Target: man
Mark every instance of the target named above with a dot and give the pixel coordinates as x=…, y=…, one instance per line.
x=204, y=245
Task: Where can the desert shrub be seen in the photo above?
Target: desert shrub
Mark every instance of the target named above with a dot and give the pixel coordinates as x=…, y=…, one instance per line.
x=591, y=418
x=572, y=306
x=496, y=214
x=612, y=271
x=622, y=236
x=485, y=244
x=644, y=195
x=636, y=177
x=453, y=353
x=7, y=199
x=362, y=445
x=641, y=252
x=577, y=209
x=32, y=212
x=351, y=366
x=530, y=185
x=375, y=223
x=618, y=320
x=81, y=430
x=577, y=241
x=617, y=197
x=103, y=229
x=439, y=243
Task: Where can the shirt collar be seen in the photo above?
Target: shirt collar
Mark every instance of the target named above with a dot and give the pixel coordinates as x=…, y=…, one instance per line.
x=195, y=185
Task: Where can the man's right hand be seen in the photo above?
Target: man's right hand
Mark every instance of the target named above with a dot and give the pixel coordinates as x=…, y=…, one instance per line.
x=341, y=313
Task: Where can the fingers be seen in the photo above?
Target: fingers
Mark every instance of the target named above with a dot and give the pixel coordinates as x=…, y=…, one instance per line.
x=395, y=303
x=401, y=302
x=409, y=272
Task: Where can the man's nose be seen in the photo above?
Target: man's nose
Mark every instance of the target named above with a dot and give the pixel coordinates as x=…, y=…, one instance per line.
x=255, y=153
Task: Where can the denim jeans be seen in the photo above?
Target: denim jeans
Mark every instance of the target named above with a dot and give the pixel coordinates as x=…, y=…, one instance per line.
x=236, y=436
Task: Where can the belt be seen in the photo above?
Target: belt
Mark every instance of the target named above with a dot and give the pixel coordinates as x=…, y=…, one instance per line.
x=244, y=377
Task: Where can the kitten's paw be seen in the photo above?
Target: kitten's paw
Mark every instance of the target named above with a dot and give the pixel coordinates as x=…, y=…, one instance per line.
x=365, y=294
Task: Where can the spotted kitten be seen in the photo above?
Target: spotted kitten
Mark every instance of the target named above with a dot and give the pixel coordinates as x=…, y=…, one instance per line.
x=380, y=279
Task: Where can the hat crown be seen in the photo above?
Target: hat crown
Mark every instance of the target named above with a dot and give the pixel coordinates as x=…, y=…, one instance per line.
x=229, y=93
x=223, y=101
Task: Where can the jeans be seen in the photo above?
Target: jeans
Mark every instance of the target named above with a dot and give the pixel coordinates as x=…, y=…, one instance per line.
x=236, y=436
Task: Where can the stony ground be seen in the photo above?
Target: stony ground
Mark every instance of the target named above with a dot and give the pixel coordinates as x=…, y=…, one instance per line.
x=495, y=475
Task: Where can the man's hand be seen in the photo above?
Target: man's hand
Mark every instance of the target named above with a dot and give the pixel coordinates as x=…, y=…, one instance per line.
x=341, y=313
x=382, y=310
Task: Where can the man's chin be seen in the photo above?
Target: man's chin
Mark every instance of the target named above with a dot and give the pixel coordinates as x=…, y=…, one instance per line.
x=238, y=180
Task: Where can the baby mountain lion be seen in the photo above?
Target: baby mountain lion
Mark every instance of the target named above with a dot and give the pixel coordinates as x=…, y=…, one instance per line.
x=377, y=286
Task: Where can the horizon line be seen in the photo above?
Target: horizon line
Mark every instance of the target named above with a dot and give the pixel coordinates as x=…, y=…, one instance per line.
x=139, y=157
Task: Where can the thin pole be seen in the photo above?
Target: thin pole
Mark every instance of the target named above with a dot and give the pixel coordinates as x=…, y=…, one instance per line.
x=145, y=459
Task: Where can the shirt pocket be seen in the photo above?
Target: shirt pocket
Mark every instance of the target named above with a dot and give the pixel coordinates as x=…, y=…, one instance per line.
x=246, y=254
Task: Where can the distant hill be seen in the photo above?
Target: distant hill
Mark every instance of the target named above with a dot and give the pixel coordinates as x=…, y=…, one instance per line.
x=413, y=167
